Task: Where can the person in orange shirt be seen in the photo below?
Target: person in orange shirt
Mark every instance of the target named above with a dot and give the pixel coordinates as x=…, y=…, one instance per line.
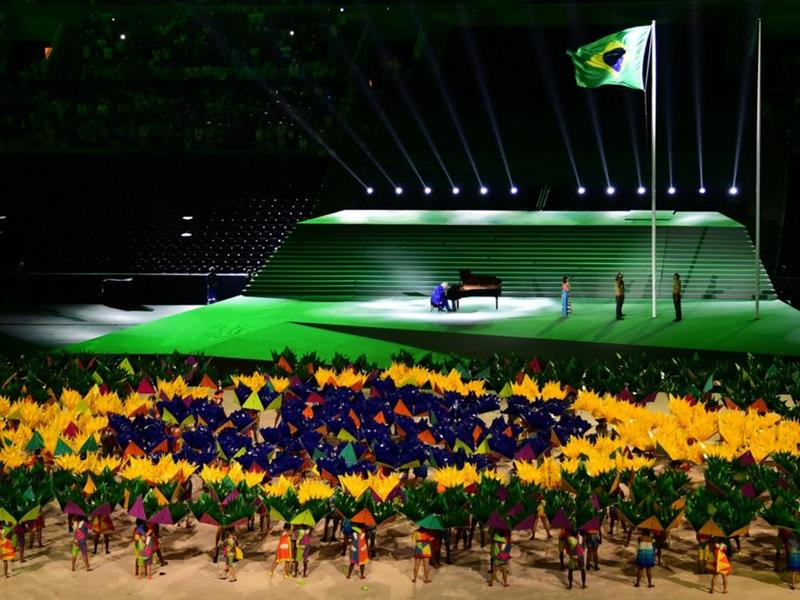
x=722, y=565
x=7, y=550
x=283, y=553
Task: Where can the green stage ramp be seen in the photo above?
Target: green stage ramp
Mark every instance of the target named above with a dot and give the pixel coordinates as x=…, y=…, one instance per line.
x=356, y=254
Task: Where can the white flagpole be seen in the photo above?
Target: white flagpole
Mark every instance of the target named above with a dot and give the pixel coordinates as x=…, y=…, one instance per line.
x=653, y=159
x=758, y=176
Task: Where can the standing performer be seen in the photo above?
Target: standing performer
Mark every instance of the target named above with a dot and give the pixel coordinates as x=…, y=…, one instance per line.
x=302, y=549
x=35, y=529
x=722, y=565
x=422, y=554
x=576, y=555
x=232, y=553
x=7, y=550
x=359, y=555
x=80, y=544
x=619, y=294
x=793, y=557
x=101, y=525
x=645, y=557
x=592, y=538
x=500, y=556
x=283, y=553
x=677, y=288
x=565, y=297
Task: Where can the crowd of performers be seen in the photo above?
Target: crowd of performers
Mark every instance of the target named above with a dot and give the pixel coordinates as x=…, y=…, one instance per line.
x=577, y=549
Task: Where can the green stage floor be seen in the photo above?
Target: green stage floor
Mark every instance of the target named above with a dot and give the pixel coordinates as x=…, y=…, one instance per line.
x=250, y=328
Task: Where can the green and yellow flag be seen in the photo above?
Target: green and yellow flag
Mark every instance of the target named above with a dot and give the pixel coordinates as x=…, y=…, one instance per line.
x=617, y=59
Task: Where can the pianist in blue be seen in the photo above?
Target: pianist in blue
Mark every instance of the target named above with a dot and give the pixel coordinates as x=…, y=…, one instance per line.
x=439, y=299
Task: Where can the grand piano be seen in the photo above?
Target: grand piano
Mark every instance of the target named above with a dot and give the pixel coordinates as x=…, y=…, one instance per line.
x=485, y=286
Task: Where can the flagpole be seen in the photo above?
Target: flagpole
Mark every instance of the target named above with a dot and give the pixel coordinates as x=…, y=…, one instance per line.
x=653, y=160
x=758, y=176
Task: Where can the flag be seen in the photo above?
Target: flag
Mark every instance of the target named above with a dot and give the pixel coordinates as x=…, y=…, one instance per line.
x=617, y=59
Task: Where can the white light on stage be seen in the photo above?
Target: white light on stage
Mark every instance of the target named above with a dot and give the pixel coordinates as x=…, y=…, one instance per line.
x=733, y=190
x=514, y=190
x=702, y=190
x=291, y=32
x=640, y=190
x=484, y=190
x=610, y=190
x=186, y=234
x=456, y=191
x=428, y=191
x=370, y=190
x=122, y=36
x=398, y=190
x=671, y=190
x=581, y=190
x=187, y=217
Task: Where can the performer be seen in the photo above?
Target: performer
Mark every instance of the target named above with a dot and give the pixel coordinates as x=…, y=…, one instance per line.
x=793, y=557
x=704, y=555
x=619, y=294
x=422, y=554
x=283, y=553
x=157, y=544
x=139, y=531
x=232, y=553
x=334, y=519
x=577, y=558
x=541, y=516
x=722, y=566
x=500, y=554
x=302, y=549
x=562, y=546
x=101, y=525
x=439, y=299
x=592, y=538
x=7, y=550
x=147, y=551
x=358, y=551
x=80, y=544
x=565, y=297
x=211, y=286
x=677, y=288
x=645, y=557
x=35, y=529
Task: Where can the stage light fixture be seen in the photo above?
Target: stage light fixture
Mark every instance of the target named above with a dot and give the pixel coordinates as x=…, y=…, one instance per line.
x=186, y=234
x=187, y=217
x=581, y=190
x=484, y=190
x=456, y=191
x=291, y=32
x=370, y=190
x=610, y=190
x=428, y=190
x=122, y=36
x=640, y=190
x=398, y=190
x=733, y=190
x=702, y=190
x=671, y=190
x=514, y=190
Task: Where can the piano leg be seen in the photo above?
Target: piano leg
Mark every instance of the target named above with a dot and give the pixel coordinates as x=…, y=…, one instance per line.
x=496, y=302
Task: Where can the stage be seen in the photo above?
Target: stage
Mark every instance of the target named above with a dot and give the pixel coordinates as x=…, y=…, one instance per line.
x=250, y=328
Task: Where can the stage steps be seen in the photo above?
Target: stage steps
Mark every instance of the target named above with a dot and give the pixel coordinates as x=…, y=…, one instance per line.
x=340, y=261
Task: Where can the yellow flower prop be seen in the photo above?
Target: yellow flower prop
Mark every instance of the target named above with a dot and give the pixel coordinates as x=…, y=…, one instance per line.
x=237, y=475
x=546, y=475
x=383, y=485
x=255, y=382
x=5, y=407
x=279, y=384
x=72, y=462
x=528, y=388
x=211, y=474
x=176, y=387
x=313, y=489
x=495, y=475
x=448, y=477
x=97, y=465
x=355, y=485
x=278, y=487
x=13, y=457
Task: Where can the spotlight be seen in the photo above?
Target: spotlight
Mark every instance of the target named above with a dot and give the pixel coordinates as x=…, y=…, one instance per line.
x=291, y=32
x=733, y=190
x=581, y=190
x=186, y=234
x=640, y=190
x=428, y=191
x=370, y=190
x=514, y=190
x=341, y=9
x=671, y=190
x=456, y=190
x=484, y=190
x=122, y=36
x=702, y=190
x=398, y=190
x=187, y=217
x=610, y=190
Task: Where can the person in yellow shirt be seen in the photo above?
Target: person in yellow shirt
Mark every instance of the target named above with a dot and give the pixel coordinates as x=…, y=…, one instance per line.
x=677, y=288
x=619, y=293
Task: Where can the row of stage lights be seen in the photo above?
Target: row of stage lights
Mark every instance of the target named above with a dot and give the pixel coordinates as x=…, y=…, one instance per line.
x=610, y=190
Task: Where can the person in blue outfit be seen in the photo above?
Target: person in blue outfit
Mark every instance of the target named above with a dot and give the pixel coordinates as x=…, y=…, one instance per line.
x=565, y=297
x=439, y=298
